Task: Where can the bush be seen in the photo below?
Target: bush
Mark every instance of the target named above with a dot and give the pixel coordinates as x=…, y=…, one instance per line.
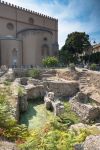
x=54, y=139
x=72, y=66
x=21, y=91
x=9, y=128
x=34, y=73
x=50, y=62
x=16, y=132
x=7, y=83
x=93, y=66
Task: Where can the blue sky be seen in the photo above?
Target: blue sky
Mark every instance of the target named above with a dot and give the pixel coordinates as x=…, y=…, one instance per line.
x=72, y=15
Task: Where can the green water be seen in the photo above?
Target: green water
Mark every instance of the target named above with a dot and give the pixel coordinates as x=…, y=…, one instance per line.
x=36, y=116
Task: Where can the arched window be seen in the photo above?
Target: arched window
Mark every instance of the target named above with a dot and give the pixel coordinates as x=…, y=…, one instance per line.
x=31, y=20
x=45, y=50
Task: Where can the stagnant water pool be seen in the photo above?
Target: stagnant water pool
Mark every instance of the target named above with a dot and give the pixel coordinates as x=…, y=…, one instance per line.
x=36, y=115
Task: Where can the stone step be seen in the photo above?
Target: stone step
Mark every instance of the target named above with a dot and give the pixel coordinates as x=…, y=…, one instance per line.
x=81, y=87
x=84, y=84
x=84, y=69
x=49, y=72
x=83, y=81
x=83, y=77
x=47, y=75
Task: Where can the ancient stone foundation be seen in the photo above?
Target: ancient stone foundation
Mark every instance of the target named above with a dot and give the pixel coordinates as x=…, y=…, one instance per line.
x=86, y=111
x=62, y=88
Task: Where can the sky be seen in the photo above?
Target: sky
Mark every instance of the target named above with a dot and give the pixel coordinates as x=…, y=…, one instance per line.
x=72, y=15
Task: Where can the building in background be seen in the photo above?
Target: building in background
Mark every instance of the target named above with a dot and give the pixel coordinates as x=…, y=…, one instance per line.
x=26, y=37
x=96, y=48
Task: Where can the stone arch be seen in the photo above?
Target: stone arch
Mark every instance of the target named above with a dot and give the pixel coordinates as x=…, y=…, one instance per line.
x=45, y=50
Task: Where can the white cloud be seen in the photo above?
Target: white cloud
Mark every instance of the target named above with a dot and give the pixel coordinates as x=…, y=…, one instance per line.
x=66, y=14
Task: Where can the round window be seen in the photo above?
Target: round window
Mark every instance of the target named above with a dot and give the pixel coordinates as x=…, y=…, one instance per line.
x=31, y=20
x=10, y=26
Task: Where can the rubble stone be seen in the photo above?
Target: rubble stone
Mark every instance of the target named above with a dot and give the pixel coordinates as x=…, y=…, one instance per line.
x=23, y=103
x=52, y=104
x=85, y=110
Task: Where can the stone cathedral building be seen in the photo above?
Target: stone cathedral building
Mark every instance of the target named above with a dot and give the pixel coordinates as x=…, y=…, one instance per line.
x=26, y=37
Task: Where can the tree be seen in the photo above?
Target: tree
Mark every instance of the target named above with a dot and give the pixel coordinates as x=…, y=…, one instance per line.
x=75, y=44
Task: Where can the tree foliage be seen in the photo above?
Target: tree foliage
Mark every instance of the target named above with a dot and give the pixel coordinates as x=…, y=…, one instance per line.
x=92, y=58
x=75, y=44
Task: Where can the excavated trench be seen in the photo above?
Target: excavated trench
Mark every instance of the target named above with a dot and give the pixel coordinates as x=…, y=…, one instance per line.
x=36, y=115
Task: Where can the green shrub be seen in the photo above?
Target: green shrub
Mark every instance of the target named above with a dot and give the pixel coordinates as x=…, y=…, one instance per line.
x=7, y=83
x=9, y=128
x=6, y=117
x=72, y=66
x=50, y=62
x=69, y=115
x=93, y=66
x=16, y=132
x=50, y=139
x=34, y=73
x=21, y=91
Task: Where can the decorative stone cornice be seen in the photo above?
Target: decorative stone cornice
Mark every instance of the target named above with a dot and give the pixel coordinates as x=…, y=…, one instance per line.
x=27, y=10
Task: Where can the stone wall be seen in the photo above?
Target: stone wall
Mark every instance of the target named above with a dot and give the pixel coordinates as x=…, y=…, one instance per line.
x=35, y=91
x=91, y=143
x=30, y=27
x=83, y=108
x=86, y=112
x=68, y=74
x=20, y=72
x=62, y=88
x=94, y=79
x=14, y=99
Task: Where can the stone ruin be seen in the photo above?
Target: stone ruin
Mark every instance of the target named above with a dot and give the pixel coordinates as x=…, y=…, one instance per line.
x=23, y=103
x=84, y=108
x=4, y=68
x=53, y=104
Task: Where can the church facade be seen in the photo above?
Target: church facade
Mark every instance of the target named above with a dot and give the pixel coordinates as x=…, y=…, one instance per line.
x=26, y=37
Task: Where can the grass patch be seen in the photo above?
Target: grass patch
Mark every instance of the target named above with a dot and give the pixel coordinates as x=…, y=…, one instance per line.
x=7, y=83
x=70, y=114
